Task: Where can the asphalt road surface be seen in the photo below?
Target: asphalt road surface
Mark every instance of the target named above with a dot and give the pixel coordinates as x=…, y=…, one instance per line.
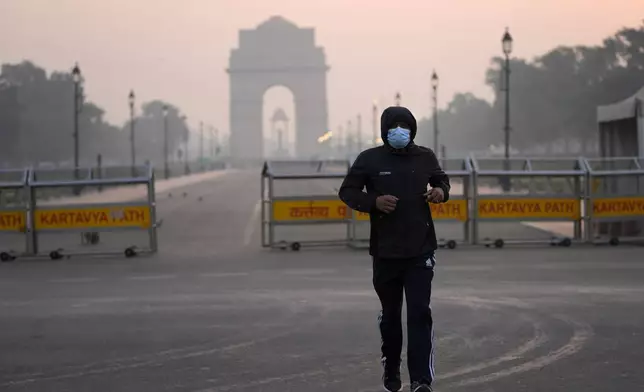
x=215, y=312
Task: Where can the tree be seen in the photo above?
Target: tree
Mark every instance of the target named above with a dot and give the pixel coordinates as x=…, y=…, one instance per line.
x=555, y=96
x=149, y=131
x=45, y=107
x=464, y=126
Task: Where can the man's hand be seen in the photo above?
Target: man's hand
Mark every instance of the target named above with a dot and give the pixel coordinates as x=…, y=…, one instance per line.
x=435, y=195
x=386, y=203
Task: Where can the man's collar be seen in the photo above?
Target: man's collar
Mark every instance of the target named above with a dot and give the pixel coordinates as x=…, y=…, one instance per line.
x=403, y=151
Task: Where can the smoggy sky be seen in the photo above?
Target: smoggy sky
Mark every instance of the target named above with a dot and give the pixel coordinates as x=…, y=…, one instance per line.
x=178, y=50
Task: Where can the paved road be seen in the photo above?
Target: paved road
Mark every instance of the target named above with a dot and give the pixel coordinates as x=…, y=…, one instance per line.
x=214, y=312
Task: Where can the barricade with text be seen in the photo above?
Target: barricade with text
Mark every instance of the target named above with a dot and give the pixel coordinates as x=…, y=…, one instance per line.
x=615, y=203
x=497, y=202
x=14, y=236
x=530, y=193
x=51, y=226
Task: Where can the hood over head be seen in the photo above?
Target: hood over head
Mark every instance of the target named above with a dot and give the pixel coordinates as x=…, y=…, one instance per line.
x=393, y=115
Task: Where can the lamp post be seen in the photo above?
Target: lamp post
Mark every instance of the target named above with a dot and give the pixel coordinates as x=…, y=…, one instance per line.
x=186, y=137
x=374, y=125
x=212, y=142
x=217, y=146
x=131, y=100
x=349, y=138
x=507, y=49
x=166, y=169
x=76, y=77
x=435, y=100
x=397, y=99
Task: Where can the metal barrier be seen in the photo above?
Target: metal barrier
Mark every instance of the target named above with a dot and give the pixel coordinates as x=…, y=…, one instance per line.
x=515, y=193
x=497, y=201
x=447, y=216
x=307, y=200
x=14, y=209
x=615, y=200
x=85, y=215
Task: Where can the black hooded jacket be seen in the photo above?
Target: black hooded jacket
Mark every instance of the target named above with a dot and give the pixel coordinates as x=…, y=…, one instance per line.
x=408, y=231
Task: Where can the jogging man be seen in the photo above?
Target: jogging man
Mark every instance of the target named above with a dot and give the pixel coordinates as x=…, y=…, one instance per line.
x=402, y=241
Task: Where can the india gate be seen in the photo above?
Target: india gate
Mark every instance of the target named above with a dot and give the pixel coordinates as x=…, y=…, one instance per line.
x=277, y=53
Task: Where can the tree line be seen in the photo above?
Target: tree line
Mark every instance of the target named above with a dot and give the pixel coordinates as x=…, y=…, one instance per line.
x=37, y=122
x=554, y=99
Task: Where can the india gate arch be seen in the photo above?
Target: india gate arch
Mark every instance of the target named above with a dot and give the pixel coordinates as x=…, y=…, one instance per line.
x=276, y=53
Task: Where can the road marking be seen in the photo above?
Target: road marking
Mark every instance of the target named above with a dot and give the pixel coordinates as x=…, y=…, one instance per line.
x=582, y=333
x=15, y=303
x=155, y=359
x=538, y=339
x=310, y=271
x=151, y=277
x=222, y=274
x=252, y=222
x=74, y=280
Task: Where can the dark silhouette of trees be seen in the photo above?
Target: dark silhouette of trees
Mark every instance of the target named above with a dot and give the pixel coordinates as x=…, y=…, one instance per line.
x=150, y=132
x=36, y=123
x=554, y=98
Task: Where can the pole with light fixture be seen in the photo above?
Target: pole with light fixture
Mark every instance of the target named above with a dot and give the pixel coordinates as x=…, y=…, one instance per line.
x=435, y=100
x=77, y=78
x=166, y=169
x=507, y=49
x=131, y=101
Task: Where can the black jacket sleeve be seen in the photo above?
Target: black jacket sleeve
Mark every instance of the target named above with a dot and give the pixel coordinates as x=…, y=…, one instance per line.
x=351, y=191
x=438, y=178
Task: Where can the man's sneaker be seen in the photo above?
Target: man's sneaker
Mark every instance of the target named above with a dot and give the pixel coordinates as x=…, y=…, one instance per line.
x=391, y=380
x=418, y=387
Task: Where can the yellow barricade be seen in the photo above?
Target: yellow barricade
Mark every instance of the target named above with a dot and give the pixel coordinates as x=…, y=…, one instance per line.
x=452, y=210
x=615, y=204
x=525, y=208
x=497, y=200
x=14, y=221
x=304, y=210
x=618, y=207
x=107, y=225
x=300, y=204
x=121, y=216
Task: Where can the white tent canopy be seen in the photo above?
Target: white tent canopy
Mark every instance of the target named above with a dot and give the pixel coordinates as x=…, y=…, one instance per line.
x=619, y=136
x=621, y=110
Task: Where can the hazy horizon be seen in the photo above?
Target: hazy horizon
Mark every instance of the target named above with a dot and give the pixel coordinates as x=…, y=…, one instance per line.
x=178, y=52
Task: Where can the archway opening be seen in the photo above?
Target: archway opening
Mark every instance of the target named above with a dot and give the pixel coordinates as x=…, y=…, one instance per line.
x=279, y=127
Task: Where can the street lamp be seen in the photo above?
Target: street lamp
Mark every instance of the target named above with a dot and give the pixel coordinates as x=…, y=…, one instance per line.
x=131, y=101
x=211, y=132
x=186, y=138
x=349, y=138
x=507, y=49
x=77, y=78
x=435, y=99
x=166, y=169
x=217, y=146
